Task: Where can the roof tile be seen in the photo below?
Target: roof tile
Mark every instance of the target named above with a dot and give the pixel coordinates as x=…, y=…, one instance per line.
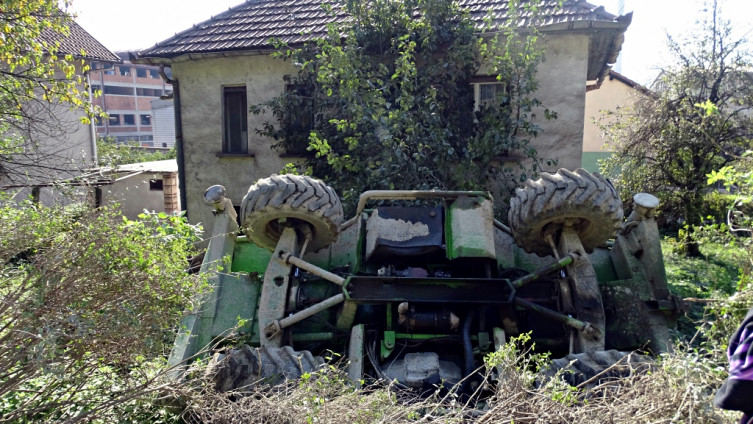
x=77, y=40
x=256, y=21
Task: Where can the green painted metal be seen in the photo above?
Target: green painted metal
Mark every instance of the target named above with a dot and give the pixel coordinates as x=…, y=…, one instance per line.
x=603, y=265
x=562, y=263
x=248, y=257
x=388, y=344
x=262, y=290
x=469, y=228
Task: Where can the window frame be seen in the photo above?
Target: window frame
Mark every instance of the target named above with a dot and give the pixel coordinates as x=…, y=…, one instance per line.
x=477, y=82
x=235, y=114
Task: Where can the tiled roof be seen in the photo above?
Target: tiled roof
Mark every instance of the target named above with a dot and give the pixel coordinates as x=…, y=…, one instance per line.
x=249, y=26
x=79, y=40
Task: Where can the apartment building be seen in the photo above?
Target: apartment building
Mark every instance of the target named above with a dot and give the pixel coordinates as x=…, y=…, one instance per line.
x=127, y=92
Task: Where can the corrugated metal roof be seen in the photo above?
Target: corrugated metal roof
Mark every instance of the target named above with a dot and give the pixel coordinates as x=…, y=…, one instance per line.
x=79, y=40
x=169, y=165
x=250, y=25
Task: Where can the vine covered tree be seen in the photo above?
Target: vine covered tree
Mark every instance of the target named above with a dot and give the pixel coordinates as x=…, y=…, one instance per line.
x=698, y=121
x=386, y=100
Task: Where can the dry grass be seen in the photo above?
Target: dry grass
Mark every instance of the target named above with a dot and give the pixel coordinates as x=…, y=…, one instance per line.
x=679, y=390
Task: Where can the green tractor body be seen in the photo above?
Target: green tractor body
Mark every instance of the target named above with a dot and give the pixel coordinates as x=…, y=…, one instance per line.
x=419, y=294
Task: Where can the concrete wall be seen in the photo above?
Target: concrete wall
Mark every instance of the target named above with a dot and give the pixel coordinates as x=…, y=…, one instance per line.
x=562, y=79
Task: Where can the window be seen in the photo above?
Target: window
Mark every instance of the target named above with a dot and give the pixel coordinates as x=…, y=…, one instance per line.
x=155, y=185
x=124, y=71
x=488, y=93
x=114, y=120
x=121, y=91
x=154, y=73
x=148, y=92
x=235, y=125
x=146, y=119
x=128, y=119
x=141, y=72
x=490, y=97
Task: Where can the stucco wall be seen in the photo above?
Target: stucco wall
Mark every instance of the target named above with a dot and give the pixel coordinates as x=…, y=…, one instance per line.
x=57, y=145
x=612, y=95
x=134, y=195
x=562, y=89
x=201, y=83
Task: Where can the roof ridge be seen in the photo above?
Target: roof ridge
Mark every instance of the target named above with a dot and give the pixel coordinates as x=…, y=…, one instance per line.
x=245, y=27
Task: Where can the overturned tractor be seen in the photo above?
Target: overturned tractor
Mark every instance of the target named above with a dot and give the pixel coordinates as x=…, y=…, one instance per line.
x=418, y=294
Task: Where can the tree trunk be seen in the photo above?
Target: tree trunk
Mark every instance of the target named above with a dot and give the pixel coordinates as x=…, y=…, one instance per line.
x=693, y=220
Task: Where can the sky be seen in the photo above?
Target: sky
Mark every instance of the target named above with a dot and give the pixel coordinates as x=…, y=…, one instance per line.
x=138, y=24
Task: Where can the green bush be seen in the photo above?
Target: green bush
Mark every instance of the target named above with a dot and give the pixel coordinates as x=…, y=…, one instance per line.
x=89, y=305
x=111, y=154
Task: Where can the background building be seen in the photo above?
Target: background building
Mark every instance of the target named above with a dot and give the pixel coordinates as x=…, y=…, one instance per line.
x=127, y=92
x=616, y=92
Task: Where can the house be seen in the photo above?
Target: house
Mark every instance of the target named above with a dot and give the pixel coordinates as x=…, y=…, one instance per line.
x=138, y=186
x=127, y=92
x=616, y=92
x=57, y=144
x=223, y=65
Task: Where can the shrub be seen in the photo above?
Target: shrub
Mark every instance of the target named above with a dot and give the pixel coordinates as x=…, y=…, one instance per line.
x=89, y=304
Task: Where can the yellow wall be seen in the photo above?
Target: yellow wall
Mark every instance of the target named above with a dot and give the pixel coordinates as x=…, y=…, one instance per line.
x=612, y=95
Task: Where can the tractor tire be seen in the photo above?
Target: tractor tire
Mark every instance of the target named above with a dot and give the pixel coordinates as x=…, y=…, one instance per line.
x=291, y=197
x=589, y=198
x=239, y=369
x=604, y=365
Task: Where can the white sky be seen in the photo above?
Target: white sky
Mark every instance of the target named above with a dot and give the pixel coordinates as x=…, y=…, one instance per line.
x=138, y=24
